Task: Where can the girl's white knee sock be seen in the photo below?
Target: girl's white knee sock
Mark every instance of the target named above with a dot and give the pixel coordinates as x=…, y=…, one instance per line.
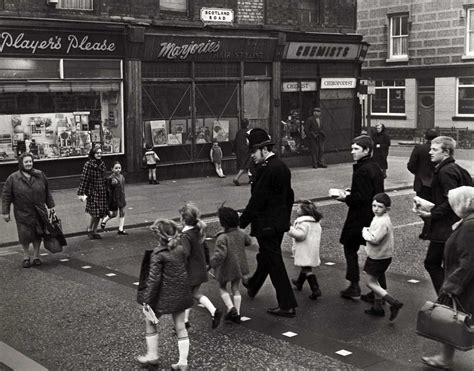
x=207, y=304
x=183, y=348
x=227, y=300
x=237, y=302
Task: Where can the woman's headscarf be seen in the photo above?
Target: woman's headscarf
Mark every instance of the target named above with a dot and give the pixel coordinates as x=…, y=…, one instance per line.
x=20, y=162
x=461, y=200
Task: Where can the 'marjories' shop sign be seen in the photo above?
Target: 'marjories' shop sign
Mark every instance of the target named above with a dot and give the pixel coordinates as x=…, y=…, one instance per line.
x=204, y=49
x=55, y=43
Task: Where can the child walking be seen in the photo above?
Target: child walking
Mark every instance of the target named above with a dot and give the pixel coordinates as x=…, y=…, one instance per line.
x=197, y=257
x=164, y=288
x=229, y=260
x=216, y=158
x=151, y=158
x=116, y=198
x=306, y=234
x=379, y=248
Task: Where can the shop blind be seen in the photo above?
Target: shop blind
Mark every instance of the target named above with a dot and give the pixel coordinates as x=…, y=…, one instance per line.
x=60, y=87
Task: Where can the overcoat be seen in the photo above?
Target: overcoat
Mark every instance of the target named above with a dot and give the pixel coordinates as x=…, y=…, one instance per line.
x=93, y=185
x=195, y=253
x=381, y=146
x=446, y=176
x=421, y=166
x=229, y=260
x=116, y=192
x=269, y=208
x=166, y=288
x=367, y=181
x=306, y=234
x=459, y=264
x=241, y=149
x=313, y=129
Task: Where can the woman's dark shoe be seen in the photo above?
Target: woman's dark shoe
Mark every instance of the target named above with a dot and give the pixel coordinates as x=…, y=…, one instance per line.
x=26, y=263
x=36, y=262
x=95, y=236
x=290, y=313
x=375, y=312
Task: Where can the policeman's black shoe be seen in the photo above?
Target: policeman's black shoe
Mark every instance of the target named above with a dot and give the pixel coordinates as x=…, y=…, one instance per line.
x=375, y=312
x=290, y=313
x=352, y=292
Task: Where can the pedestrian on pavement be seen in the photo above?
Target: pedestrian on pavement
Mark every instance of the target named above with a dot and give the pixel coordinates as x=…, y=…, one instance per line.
x=93, y=190
x=381, y=146
x=165, y=290
x=367, y=181
x=458, y=266
x=379, y=249
x=422, y=167
x=150, y=158
x=28, y=190
x=216, y=158
x=447, y=175
x=316, y=137
x=229, y=260
x=241, y=149
x=306, y=235
x=268, y=211
x=193, y=239
x=116, y=198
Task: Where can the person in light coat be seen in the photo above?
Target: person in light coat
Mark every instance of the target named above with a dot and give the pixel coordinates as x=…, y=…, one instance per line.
x=306, y=234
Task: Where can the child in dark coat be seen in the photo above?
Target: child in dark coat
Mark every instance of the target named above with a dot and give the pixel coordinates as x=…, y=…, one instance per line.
x=165, y=290
x=116, y=197
x=229, y=260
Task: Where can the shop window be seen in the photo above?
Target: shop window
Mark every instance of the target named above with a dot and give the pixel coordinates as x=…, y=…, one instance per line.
x=217, y=70
x=470, y=33
x=257, y=69
x=257, y=103
x=76, y=4
x=389, y=98
x=174, y=5
x=465, y=100
x=20, y=69
x=398, y=48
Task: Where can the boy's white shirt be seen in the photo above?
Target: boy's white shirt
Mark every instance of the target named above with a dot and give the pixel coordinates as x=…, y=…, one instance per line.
x=379, y=237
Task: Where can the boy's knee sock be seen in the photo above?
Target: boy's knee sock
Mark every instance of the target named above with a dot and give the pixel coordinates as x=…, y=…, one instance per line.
x=207, y=304
x=186, y=315
x=121, y=223
x=390, y=299
x=105, y=219
x=237, y=302
x=227, y=300
x=183, y=348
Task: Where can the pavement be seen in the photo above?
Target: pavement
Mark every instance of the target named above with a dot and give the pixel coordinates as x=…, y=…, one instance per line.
x=146, y=202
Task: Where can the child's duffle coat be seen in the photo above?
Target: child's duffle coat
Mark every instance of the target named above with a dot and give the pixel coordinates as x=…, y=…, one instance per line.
x=306, y=233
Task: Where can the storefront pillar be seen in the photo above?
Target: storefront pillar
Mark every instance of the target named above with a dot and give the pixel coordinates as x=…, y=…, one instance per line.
x=275, y=103
x=133, y=127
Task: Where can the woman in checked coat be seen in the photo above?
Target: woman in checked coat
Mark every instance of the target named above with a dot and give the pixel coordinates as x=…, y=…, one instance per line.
x=93, y=190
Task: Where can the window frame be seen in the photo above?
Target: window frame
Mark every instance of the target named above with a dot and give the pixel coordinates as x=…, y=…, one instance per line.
x=388, y=88
x=185, y=11
x=391, y=37
x=458, y=86
x=469, y=34
x=60, y=5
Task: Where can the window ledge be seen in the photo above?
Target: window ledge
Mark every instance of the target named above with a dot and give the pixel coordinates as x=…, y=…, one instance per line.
x=463, y=118
x=388, y=117
x=467, y=57
x=396, y=60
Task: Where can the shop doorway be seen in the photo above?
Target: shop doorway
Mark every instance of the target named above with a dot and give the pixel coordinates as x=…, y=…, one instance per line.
x=425, y=104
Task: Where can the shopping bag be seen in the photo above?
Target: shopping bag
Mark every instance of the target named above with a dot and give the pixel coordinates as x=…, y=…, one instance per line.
x=53, y=237
x=52, y=244
x=445, y=324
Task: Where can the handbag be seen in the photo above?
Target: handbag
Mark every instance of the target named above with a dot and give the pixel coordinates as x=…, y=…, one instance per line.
x=53, y=238
x=446, y=324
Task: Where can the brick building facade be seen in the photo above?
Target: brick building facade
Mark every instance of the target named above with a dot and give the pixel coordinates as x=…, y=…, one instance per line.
x=421, y=58
x=172, y=75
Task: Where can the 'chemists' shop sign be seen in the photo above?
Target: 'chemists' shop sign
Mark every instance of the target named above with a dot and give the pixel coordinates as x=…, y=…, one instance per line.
x=38, y=43
x=321, y=51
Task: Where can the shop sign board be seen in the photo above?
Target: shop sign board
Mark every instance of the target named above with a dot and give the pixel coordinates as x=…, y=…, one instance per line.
x=217, y=16
x=338, y=83
x=292, y=86
x=321, y=51
x=207, y=49
x=48, y=43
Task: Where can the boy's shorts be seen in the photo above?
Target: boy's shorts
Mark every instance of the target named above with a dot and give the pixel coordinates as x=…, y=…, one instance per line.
x=153, y=166
x=376, y=267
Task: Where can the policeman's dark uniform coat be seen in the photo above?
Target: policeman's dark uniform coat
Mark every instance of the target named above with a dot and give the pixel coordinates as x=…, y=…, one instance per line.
x=422, y=167
x=268, y=211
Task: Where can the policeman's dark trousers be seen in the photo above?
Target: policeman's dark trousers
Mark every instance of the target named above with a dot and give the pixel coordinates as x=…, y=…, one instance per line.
x=352, y=261
x=270, y=262
x=434, y=263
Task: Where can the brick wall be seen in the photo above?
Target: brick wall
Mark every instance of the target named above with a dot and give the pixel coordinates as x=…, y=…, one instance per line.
x=436, y=30
x=251, y=11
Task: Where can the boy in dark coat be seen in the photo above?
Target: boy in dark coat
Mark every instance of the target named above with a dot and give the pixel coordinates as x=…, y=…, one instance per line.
x=367, y=181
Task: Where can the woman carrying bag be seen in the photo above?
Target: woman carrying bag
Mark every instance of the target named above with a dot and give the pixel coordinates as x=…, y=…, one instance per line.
x=459, y=267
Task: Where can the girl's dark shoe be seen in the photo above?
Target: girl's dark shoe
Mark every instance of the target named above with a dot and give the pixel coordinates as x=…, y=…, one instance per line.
x=394, y=309
x=36, y=262
x=375, y=312
x=26, y=263
x=313, y=283
x=123, y=233
x=102, y=226
x=216, y=319
x=230, y=314
x=299, y=281
x=95, y=236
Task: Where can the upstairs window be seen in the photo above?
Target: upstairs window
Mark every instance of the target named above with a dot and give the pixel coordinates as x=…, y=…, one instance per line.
x=465, y=100
x=76, y=4
x=308, y=12
x=398, y=49
x=389, y=98
x=174, y=5
x=470, y=32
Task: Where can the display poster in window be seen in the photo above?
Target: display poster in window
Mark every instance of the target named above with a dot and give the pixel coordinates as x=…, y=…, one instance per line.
x=178, y=131
x=175, y=139
x=203, y=131
x=220, y=131
x=159, y=133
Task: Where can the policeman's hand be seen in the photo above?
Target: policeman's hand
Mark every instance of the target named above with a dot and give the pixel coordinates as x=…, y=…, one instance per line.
x=6, y=217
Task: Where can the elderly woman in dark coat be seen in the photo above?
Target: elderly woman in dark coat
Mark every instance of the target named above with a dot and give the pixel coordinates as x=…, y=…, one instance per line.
x=458, y=264
x=241, y=150
x=27, y=189
x=381, y=145
x=93, y=190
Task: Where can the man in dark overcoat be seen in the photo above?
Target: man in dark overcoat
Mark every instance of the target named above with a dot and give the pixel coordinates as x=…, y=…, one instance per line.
x=315, y=138
x=268, y=211
x=367, y=181
x=422, y=167
x=447, y=175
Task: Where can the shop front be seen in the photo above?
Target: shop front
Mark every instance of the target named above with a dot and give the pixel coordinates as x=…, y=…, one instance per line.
x=61, y=92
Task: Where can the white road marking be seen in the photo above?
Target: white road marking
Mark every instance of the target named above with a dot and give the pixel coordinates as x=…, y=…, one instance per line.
x=289, y=334
x=18, y=361
x=343, y=352
x=110, y=274
x=243, y=318
x=330, y=263
x=413, y=281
